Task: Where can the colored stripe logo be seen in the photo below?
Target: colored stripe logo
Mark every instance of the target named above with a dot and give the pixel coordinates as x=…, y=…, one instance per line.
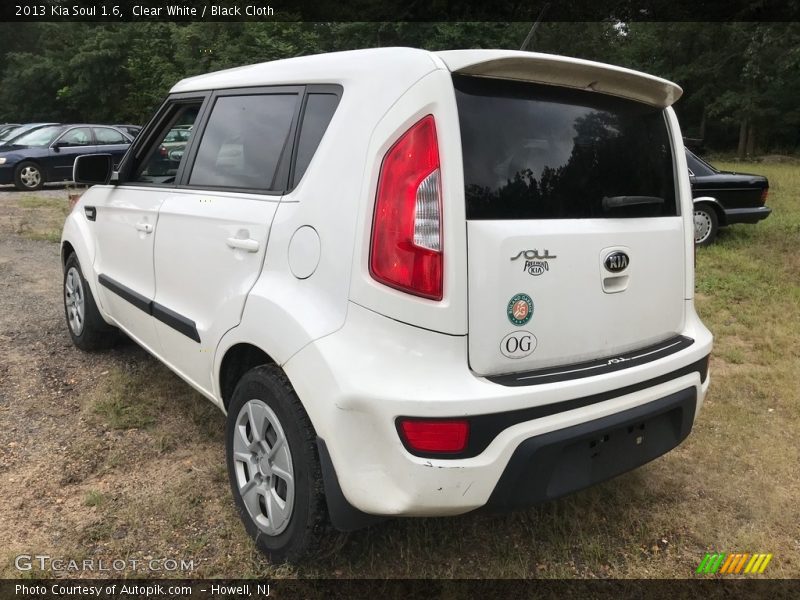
x=733, y=564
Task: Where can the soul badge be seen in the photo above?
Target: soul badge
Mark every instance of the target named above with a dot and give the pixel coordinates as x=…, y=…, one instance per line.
x=520, y=309
x=535, y=263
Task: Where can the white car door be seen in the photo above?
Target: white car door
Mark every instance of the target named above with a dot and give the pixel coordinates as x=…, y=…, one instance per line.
x=126, y=221
x=213, y=230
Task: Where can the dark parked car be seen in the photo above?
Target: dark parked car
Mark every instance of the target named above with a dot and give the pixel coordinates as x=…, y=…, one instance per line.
x=48, y=153
x=723, y=198
x=18, y=130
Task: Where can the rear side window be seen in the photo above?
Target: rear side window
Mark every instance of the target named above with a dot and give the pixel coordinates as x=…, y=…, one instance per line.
x=697, y=166
x=246, y=143
x=542, y=152
x=106, y=135
x=318, y=113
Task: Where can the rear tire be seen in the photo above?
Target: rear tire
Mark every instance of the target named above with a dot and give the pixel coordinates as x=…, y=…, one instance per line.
x=273, y=466
x=706, y=225
x=86, y=327
x=28, y=176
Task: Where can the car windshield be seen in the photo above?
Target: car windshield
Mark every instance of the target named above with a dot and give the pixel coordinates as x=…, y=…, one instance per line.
x=38, y=137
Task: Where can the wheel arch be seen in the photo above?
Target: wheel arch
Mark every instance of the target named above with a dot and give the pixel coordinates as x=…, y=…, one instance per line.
x=714, y=203
x=77, y=238
x=237, y=360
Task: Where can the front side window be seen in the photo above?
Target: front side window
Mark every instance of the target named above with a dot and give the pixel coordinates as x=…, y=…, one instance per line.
x=164, y=158
x=246, y=143
x=80, y=136
x=541, y=152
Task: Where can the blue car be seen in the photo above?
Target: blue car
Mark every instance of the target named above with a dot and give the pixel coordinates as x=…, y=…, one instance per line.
x=47, y=154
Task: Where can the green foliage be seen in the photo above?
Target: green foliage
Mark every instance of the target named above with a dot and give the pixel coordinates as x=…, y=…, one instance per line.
x=740, y=79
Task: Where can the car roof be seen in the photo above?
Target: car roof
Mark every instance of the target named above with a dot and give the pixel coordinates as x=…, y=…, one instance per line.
x=360, y=65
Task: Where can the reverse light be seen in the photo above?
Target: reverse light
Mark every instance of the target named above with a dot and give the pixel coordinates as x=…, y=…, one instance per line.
x=435, y=435
x=406, y=247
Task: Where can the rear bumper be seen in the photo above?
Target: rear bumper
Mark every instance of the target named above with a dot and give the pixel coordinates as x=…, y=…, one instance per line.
x=746, y=215
x=551, y=465
x=376, y=369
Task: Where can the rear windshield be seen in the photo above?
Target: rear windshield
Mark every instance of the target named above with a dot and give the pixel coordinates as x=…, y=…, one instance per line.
x=543, y=152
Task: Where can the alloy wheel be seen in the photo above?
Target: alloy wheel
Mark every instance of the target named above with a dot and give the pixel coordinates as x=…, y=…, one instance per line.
x=75, y=300
x=263, y=467
x=30, y=176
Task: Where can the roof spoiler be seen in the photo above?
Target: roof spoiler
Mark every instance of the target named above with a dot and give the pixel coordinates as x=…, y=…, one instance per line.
x=562, y=71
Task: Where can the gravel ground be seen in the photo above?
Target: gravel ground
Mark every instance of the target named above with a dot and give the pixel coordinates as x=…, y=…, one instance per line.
x=44, y=431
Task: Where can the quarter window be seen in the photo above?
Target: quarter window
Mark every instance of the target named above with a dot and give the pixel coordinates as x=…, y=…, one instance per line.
x=319, y=112
x=246, y=143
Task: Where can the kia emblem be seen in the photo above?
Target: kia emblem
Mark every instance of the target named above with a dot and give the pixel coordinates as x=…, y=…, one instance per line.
x=616, y=262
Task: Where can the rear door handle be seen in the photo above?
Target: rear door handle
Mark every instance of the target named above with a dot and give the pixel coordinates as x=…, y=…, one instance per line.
x=243, y=244
x=146, y=227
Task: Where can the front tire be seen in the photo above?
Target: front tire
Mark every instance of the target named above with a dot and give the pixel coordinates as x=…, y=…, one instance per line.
x=86, y=327
x=706, y=225
x=273, y=466
x=28, y=176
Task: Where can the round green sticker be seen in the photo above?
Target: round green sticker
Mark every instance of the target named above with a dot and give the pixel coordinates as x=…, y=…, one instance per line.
x=520, y=309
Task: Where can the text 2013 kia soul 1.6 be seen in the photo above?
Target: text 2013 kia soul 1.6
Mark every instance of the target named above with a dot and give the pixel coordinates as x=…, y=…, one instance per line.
x=418, y=283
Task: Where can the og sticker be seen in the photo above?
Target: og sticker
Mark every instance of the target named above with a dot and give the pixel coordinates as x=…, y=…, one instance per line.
x=518, y=344
x=520, y=309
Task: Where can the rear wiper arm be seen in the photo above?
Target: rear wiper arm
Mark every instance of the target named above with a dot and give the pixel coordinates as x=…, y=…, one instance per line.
x=610, y=202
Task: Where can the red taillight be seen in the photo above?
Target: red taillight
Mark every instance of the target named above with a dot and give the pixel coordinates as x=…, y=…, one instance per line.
x=406, y=250
x=162, y=151
x=764, y=194
x=435, y=435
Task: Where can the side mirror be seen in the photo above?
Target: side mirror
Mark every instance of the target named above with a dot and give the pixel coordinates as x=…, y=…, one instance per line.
x=93, y=169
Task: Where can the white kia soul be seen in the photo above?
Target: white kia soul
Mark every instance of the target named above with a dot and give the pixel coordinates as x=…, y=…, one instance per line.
x=417, y=283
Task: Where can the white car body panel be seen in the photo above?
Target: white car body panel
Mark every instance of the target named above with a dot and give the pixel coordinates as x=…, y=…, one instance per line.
x=125, y=254
x=200, y=276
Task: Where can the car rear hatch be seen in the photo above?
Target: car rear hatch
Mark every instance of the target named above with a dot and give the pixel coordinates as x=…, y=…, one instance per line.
x=576, y=250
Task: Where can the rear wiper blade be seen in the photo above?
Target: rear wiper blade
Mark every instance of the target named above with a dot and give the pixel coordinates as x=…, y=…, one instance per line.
x=610, y=202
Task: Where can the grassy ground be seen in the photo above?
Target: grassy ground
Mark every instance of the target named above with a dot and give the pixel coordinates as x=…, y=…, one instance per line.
x=148, y=477
x=43, y=217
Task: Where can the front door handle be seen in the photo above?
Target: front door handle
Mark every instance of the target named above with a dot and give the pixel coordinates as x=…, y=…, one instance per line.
x=243, y=244
x=146, y=227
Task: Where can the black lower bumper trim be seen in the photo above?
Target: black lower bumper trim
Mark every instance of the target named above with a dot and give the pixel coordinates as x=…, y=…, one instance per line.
x=746, y=215
x=551, y=465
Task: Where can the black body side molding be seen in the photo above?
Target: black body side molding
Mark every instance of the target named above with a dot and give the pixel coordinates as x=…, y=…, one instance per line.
x=169, y=317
